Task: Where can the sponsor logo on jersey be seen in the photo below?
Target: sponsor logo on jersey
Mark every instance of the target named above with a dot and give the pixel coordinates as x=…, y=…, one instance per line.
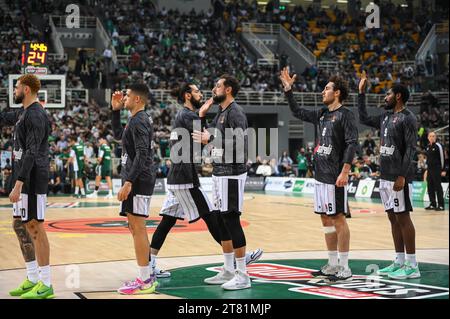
x=17, y=155
x=387, y=150
x=325, y=150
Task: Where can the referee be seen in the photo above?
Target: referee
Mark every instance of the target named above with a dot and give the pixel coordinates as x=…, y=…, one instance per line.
x=436, y=169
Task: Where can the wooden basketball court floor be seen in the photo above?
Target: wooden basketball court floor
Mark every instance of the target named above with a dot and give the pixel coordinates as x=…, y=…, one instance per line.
x=92, y=252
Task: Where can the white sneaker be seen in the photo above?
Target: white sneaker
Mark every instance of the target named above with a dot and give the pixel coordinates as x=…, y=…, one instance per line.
x=341, y=275
x=109, y=196
x=253, y=256
x=93, y=195
x=161, y=273
x=222, y=277
x=239, y=281
x=326, y=270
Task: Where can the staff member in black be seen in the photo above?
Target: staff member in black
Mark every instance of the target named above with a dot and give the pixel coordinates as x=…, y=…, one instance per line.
x=435, y=170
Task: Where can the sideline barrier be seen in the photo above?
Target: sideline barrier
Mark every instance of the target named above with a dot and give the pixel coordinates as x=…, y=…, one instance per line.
x=366, y=188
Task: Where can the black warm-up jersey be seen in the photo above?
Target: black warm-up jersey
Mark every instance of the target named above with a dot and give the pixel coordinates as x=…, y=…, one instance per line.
x=137, y=151
x=184, y=172
x=30, y=161
x=338, y=138
x=229, y=158
x=398, y=139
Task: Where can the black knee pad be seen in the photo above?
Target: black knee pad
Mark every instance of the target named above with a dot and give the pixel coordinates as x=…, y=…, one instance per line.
x=224, y=233
x=233, y=224
x=210, y=220
x=160, y=234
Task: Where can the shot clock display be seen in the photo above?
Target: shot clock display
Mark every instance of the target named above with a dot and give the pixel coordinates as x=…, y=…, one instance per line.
x=34, y=54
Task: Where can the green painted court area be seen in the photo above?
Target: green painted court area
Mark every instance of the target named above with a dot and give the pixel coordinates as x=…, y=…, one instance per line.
x=291, y=279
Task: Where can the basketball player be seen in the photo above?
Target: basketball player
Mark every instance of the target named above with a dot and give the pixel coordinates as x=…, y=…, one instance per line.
x=229, y=174
x=397, y=150
x=77, y=160
x=138, y=179
x=334, y=154
x=186, y=199
x=103, y=169
x=30, y=180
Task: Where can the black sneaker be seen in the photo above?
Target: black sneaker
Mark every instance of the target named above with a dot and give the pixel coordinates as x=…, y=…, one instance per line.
x=440, y=208
x=431, y=207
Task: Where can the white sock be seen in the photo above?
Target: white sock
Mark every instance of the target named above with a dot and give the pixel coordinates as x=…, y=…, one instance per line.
x=32, y=271
x=110, y=192
x=229, y=261
x=151, y=269
x=95, y=192
x=144, y=272
x=83, y=192
x=343, y=259
x=44, y=274
x=332, y=257
x=400, y=258
x=77, y=189
x=411, y=258
x=153, y=260
x=241, y=265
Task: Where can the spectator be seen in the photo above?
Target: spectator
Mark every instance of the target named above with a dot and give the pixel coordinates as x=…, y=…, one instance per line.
x=274, y=167
x=264, y=169
x=368, y=145
x=54, y=180
x=302, y=163
x=285, y=164
x=421, y=167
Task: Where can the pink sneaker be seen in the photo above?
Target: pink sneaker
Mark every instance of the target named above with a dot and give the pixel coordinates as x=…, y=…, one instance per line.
x=139, y=287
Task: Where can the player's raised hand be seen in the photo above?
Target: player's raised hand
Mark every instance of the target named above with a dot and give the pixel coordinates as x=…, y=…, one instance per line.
x=363, y=82
x=117, y=101
x=286, y=79
x=205, y=107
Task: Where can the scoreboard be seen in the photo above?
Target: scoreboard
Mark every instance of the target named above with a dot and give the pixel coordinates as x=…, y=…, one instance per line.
x=34, y=57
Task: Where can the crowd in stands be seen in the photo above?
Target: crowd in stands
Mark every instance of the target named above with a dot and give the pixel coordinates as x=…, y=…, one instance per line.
x=165, y=47
x=29, y=21
x=364, y=165
x=89, y=122
x=155, y=43
x=208, y=44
